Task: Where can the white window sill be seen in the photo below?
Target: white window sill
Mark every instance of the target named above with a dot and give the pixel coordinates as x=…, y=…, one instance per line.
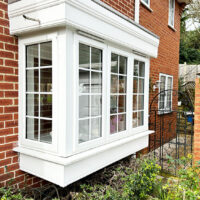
x=172, y=27
x=146, y=6
x=165, y=112
x=73, y=168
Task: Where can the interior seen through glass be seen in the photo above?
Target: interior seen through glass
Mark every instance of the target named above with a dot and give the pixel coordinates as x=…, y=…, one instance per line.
x=90, y=93
x=39, y=92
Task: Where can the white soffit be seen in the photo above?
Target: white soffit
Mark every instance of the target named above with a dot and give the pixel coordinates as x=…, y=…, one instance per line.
x=84, y=15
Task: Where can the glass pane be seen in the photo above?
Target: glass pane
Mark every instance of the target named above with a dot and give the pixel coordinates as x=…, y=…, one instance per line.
x=141, y=85
x=83, y=130
x=46, y=105
x=114, y=84
x=134, y=120
x=122, y=104
x=114, y=63
x=96, y=128
x=136, y=68
x=135, y=85
x=134, y=102
x=122, y=65
x=121, y=123
x=84, y=81
x=32, y=129
x=32, y=105
x=169, y=83
x=146, y=1
x=96, y=105
x=162, y=85
x=32, y=59
x=84, y=56
x=46, y=54
x=32, y=80
x=141, y=69
x=46, y=131
x=84, y=106
x=113, y=104
x=113, y=124
x=122, y=84
x=140, y=118
x=169, y=104
x=46, y=80
x=161, y=105
x=140, y=102
x=96, y=82
x=96, y=59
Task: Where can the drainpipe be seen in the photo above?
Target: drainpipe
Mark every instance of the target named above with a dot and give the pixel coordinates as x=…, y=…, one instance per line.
x=137, y=11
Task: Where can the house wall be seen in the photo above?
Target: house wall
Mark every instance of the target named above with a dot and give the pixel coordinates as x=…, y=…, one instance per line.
x=167, y=62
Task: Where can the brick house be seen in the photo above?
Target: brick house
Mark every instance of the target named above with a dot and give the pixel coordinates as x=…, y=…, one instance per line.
x=81, y=71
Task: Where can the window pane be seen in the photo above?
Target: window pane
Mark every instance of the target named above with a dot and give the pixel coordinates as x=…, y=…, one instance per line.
x=140, y=118
x=146, y=1
x=96, y=59
x=135, y=120
x=83, y=130
x=96, y=128
x=96, y=82
x=162, y=85
x=135, y=85
x=84, y=81
x=46, y=131
x=122, y=84
x=169, y=83
x=140, y=102
x=113, y=104
x=32, y=108
x=32, y=80
x=84, y=56
x=114, y=63
x=136, y=68
x=113, y=124
x=46, y=54
x=32, y=129
x=134, y=102
x=122, y=65
x=142, y=69
x=121, y=123
x=32, y=59
x=114, y=84
x=122, y=104
x=141, y=85
x=46, y=80
x=46, y=105
x=161, y=105
x=84, y=106
x=96, y=105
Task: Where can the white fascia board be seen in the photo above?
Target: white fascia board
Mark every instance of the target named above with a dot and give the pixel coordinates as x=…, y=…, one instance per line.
x=85, y=15
x=64, y=171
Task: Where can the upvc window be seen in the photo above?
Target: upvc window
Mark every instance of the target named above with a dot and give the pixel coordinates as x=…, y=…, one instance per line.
x=39, y=92
x=90, y=93
x=165, y=97
x=171, y=12
x=118, y=93
x=146, y=2
x=138, y=93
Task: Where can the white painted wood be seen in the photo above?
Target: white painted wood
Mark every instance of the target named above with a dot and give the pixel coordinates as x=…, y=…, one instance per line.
x=64, y=171
x=100, y=22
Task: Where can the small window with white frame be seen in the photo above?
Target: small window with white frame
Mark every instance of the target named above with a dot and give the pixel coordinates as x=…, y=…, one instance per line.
x=166, y=90
x=171, y=12
x=146, y=2
x=39, y=92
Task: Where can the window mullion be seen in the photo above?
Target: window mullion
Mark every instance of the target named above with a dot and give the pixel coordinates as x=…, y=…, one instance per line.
x=39, y=103
x=90, y=98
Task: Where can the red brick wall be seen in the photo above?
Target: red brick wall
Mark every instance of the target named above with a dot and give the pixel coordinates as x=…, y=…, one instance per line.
x=9, y=167
x=197, y=122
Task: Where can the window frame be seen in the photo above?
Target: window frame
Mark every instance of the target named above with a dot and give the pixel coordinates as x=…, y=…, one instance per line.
x=169, y=17
x=24, y=141
x=146, y=4
x=107, y=138
x=163, y=111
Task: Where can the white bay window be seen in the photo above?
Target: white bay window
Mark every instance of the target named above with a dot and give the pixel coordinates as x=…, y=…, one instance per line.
x=83, y=87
